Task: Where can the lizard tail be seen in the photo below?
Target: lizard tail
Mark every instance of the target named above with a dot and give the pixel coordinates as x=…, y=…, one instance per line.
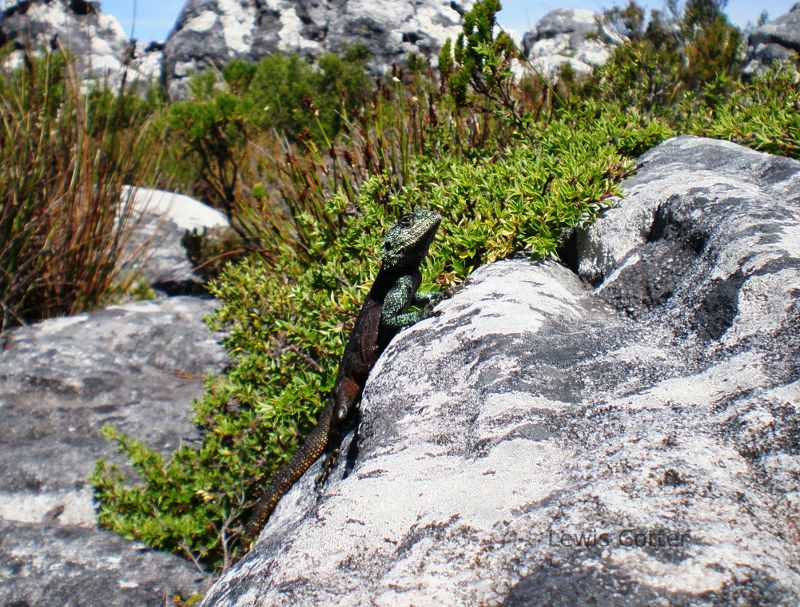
x=313, y=446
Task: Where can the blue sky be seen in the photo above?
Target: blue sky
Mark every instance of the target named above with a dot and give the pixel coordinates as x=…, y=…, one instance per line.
x=154, y=18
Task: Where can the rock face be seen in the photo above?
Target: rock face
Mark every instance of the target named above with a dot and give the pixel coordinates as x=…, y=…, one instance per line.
x=96, y=39
x=155, y=251
x=778, y=39
x=137, y=367
x=624, y=432
x=571, y=36
x=212, y=32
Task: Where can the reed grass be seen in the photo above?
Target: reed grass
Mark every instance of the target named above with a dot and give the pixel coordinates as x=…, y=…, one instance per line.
x=62, y=224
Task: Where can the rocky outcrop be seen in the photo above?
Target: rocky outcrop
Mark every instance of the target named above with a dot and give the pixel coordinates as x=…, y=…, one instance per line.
x=155, y=252
x=573, y=36
x=137, y=367
x=777, y=40
x=212, y=32
x=96, y=39
x=619, y=431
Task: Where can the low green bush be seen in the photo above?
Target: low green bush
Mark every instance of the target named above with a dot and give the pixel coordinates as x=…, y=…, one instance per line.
x=212, y=134
x=762, y=113
x=667, y=55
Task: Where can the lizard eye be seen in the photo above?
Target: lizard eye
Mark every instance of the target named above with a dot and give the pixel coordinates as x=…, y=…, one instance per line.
x=406, y=220
x=387, y=246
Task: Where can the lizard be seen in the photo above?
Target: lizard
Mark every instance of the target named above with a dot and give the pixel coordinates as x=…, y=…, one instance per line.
x=383, y=313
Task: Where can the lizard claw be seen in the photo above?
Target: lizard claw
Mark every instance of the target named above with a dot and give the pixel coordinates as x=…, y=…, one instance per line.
x=340, y=413
x=445, y=294
x=429, y=312
x=327, y=467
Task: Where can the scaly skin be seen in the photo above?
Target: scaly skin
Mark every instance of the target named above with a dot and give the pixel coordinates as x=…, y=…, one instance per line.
x=382, y=315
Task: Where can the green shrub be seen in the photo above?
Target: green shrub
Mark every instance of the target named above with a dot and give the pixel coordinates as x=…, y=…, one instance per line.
x=107, y=110
x=762, y=113
x=666, y=57
x=480, y=64
x=712, y=45
x=282, y=88
x=214, y=133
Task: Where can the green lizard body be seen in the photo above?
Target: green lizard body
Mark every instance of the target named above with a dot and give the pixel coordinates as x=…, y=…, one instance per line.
x=383, y=314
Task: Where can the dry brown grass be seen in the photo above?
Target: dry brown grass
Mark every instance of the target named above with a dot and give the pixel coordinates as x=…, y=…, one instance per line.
x=62, y=226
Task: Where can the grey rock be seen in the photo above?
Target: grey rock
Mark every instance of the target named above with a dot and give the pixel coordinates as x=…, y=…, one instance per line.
x=146, y=64
x=137, y=367
x=209, y=33
x=96, y=39
x=77, y=567
x=777, y=40
x=621, y=433
x=154, y=252
x=573, y=36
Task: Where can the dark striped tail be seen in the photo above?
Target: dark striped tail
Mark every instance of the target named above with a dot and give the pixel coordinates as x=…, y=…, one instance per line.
x=313, y=446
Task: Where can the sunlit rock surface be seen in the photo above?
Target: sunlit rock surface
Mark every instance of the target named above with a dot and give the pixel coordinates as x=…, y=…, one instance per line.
x=96, y=39
x=137, y=367
x=155, y=252
x=573, y=36
x=778, y=39
x=620, y=430
x=212, y=32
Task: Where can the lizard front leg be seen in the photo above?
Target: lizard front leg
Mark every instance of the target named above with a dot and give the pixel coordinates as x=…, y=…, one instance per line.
x=345, y=394
x=397, y=301
x=425, y=298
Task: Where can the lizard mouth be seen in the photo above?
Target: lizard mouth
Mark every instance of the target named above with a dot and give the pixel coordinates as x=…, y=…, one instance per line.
x=435, y=219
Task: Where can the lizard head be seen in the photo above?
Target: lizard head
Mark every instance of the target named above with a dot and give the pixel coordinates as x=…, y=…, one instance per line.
x=407, y=243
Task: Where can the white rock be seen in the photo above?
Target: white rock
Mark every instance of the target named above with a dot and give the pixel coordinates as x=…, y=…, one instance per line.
x=577, y=37
x=155, y=251
x=96, y=39
x=249, y=30
x=777, y=40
